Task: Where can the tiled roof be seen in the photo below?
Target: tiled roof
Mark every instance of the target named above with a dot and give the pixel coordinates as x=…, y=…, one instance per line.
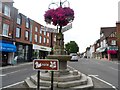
x=107, y=31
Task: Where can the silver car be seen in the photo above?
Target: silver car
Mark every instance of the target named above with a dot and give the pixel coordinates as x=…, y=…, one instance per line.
x=74, y=57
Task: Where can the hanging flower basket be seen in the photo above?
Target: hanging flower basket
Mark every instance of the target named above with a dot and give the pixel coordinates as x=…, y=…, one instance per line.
x=59, y=16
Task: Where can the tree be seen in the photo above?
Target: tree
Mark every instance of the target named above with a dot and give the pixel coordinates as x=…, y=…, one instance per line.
x=71, y=47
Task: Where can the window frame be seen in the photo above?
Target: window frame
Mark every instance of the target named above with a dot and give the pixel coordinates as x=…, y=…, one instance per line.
x=19, y=19
x=40, y=39
x=18, y=32
x=5, y=29
x=36, y=38
x=26, y=36
x=7, y=10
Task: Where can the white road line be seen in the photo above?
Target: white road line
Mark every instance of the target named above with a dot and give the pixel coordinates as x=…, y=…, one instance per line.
x=104, y=82
x=14, y=72
x=93, y=75
x=2, y=75
x=17, y=65
x=12, y=85
x=114, y=69
x=70, y=67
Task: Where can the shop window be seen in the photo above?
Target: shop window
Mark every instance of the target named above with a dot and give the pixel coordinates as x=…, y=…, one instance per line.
x=7, y=11
x=18, y=32
x=20, y=52
x=26, y=52
x=5, y=29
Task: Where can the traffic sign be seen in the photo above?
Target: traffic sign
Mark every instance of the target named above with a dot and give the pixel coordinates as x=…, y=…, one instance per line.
x=46, y=64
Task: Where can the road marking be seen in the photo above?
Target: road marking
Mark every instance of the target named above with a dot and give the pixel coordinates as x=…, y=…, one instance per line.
x=14, y=72
x=12, y=85
x=70, y=67
x=17, y=65
x=93, y=75
x=114, y=69
x=2, y=75
x=104, y=82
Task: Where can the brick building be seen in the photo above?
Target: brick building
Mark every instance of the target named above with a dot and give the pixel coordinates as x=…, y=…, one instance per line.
x=21, y=36
x=7, y=24
x=118, y=38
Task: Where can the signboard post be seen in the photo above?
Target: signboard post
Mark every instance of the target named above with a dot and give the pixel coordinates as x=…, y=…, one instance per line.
x=46, y=64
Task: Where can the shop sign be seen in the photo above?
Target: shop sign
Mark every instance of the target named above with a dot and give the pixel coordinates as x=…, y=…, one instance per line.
x=112, y=48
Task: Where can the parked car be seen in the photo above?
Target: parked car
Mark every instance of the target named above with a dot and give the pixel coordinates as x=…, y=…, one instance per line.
x=74, y=57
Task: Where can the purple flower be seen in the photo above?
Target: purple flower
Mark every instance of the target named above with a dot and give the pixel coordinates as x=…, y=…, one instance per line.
x=59, y=16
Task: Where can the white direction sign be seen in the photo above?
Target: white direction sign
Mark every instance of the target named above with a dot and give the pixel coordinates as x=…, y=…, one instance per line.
x=66, y=27
x=44, y=28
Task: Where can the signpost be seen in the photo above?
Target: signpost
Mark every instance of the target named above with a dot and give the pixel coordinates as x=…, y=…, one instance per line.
x=46, y=64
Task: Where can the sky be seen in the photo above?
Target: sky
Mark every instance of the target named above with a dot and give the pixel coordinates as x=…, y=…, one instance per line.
x=90, y=16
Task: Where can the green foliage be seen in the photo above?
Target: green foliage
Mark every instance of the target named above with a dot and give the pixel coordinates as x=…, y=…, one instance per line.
x=71, y=47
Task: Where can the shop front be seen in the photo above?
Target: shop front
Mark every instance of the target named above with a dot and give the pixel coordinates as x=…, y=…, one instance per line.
x=24, y=52
x=112, y=52
x=7, y=50
x=40, y=51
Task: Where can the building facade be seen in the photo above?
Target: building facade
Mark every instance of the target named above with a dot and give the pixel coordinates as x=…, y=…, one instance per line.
x=22, y=37
x=7, y=24
x=118, y=38
x=108, y=45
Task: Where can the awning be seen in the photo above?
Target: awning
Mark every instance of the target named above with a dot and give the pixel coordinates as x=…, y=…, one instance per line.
x=103, y=50
x=7, y=47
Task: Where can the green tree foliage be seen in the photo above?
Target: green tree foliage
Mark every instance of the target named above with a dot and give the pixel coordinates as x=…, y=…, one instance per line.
x=71, y=47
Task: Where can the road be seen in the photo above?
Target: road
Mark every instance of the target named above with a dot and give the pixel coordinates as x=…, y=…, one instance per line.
x=13, y=75
x=103, y=70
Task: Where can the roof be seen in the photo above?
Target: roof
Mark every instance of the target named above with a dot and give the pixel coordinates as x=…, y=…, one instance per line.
x=7, y=1
x=107, y=31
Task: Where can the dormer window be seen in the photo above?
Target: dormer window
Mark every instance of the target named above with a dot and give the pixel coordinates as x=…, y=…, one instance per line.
x=7, y=11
